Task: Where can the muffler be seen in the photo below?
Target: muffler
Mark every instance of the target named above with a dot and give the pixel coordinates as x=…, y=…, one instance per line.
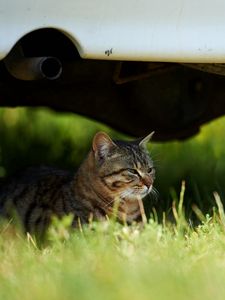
x=34, y=68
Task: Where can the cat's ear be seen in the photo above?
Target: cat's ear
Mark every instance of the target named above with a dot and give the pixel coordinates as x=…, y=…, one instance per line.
x=102, y=144
x=143, y=142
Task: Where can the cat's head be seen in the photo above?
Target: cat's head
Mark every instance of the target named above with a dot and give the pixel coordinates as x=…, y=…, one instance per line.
x=125, y=168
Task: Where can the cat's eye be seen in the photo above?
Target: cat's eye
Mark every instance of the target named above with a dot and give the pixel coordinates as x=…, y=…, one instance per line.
x=133, y=171
x=150, y=170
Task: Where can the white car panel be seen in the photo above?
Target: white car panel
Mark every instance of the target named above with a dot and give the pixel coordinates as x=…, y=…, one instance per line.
x=144, y=30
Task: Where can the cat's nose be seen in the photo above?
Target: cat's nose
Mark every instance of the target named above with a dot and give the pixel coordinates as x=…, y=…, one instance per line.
x=147, y=180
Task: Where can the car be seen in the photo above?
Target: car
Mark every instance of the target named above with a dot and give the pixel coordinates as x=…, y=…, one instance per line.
x=137, y=66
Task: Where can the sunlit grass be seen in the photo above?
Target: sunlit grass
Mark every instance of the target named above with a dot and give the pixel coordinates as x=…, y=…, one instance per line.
x=113, y=261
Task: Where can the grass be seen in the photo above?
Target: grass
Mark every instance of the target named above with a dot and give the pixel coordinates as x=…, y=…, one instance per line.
x=169, y=258
x=111, y=261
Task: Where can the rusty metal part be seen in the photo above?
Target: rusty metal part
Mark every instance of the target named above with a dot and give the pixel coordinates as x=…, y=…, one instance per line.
x=218, y=69
x=131, y=71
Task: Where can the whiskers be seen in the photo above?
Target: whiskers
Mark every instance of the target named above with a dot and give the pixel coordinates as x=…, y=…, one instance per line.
x=109, y=203
x=154, y=194
x=127, y=193
x=130, y=194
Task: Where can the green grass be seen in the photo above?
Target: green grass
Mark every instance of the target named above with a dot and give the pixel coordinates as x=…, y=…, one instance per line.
x=111, y=261
x=169, y=258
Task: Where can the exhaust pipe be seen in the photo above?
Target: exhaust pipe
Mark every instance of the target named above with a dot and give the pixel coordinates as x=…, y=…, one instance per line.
x=33, y=68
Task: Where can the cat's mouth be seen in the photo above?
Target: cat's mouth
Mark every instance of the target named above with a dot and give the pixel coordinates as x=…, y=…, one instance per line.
x=146, y=190
x=136, y=193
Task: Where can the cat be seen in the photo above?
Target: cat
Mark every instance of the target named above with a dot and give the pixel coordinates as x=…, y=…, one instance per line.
x=113, y=171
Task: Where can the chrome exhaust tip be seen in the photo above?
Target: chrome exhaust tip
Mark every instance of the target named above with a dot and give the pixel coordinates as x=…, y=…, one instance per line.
x=34, y=68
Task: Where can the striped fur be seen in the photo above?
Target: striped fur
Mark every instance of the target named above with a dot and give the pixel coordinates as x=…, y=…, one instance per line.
x=113, y=171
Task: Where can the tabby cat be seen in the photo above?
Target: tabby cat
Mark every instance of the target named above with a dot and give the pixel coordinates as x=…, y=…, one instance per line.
x=113, y=171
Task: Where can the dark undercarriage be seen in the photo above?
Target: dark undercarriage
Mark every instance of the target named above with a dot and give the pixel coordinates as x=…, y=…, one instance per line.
x=136, y=98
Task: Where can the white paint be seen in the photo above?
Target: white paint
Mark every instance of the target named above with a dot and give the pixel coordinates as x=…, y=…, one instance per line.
x=146, y=30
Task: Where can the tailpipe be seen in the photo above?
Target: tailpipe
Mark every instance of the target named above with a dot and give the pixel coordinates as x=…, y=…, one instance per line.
x=34, y=68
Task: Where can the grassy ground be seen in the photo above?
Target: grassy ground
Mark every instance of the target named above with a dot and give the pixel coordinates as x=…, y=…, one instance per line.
x=111, y=261
x=163, y=260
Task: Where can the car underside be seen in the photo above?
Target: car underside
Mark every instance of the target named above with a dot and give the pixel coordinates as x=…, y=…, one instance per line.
x=173, y=99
